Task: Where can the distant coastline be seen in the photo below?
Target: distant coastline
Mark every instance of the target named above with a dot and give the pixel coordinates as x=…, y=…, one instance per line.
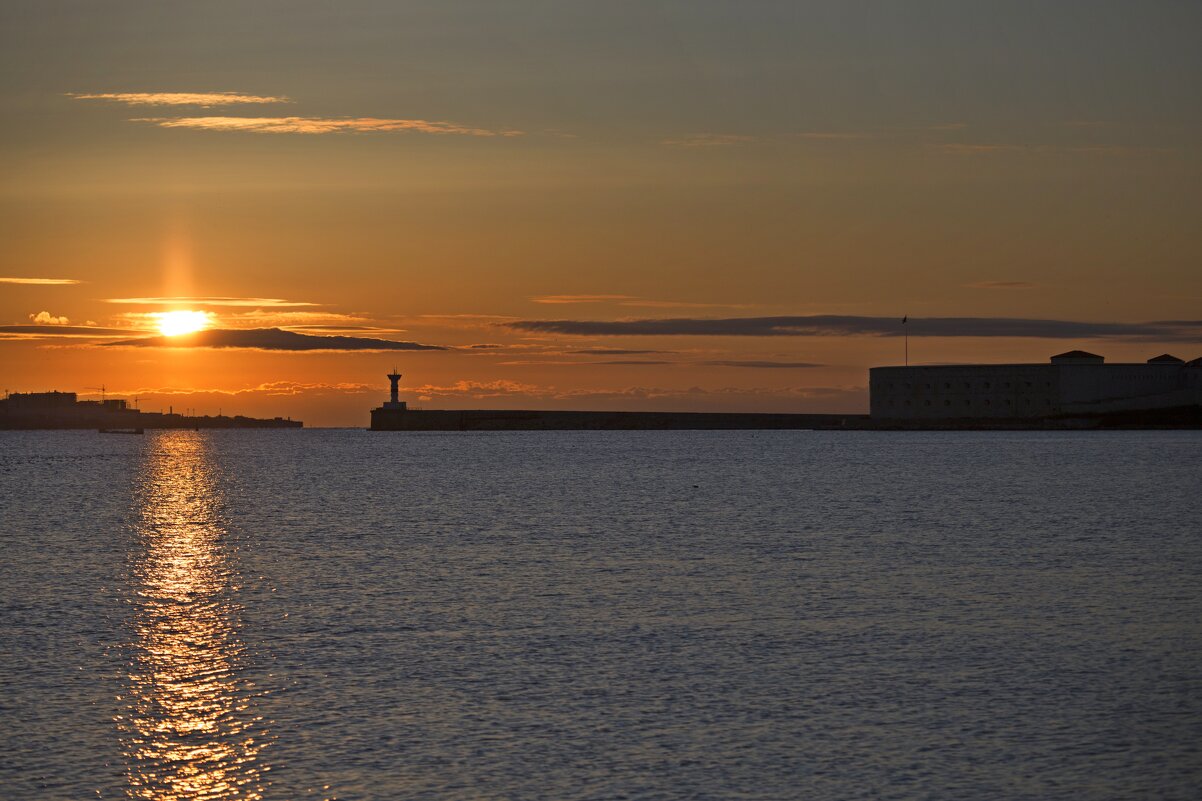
x=64, y=411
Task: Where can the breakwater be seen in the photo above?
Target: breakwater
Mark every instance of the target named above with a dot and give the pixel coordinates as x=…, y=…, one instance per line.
x=384, y=419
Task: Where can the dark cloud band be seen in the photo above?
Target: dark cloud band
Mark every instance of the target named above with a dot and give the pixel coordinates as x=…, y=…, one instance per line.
x=270, y=339
x=64, y=330
x=841, y=325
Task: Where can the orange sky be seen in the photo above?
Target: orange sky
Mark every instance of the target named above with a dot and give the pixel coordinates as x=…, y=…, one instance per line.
x=455, y=176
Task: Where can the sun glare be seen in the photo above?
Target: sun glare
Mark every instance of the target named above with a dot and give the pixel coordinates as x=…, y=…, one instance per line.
x=174, y=323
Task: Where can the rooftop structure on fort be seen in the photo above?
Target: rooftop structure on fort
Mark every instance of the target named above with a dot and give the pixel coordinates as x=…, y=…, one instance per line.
x=1076, y=383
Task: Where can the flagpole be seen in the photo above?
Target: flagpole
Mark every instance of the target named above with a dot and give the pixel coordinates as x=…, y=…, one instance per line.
x=906, y=329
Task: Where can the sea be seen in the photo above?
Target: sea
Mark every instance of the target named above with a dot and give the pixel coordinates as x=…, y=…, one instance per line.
x=341, y=614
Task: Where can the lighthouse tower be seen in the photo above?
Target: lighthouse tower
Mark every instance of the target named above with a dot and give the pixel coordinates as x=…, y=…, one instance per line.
x=393, y=402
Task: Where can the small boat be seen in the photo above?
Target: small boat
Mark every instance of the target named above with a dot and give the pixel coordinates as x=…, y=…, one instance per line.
x=121, y=431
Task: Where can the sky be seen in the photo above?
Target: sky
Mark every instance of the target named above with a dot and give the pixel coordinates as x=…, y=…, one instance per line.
x=694, y=205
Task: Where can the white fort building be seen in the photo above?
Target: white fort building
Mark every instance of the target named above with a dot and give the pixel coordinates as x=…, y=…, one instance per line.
x=1073, y=383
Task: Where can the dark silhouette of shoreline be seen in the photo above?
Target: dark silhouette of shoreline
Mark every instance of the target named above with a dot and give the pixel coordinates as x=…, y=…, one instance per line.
x=63, y=410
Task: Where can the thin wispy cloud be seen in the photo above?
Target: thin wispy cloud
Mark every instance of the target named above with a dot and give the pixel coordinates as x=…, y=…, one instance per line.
x=273, y=388
x=323, y=125
x=274, y=339
x=704, y=140
x=204, y=99
x=844, y=325
x=633, y=300
x=839, y=136
x=615, y=352
x=584, y=363
x=718, y=140
x=265, y=318
x=997, y=149
x=657, y=397
x=38, y=281
x=648, y=303
x=558, y=299
x=762, y=365
x=1002, y=285
x=967, y=149
x=36, y=331
x=632, y=362
x=311, y=319
x=211, y=301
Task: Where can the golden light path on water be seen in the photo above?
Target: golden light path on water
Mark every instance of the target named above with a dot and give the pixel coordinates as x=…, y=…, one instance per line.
x=189, y=730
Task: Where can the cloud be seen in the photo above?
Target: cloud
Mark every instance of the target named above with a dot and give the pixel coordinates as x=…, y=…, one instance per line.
x=708, y=140
x=346, y=329
x=268, y=388
x=44, y=331
x=579, y=363
x=768, y=365
x=839, y=136
x=211, y=301
x=39, y=281
x=269, y=339
x=556, y=299
x=840, y=325
x=178, y=98
x=1002, y=285
x=46, y=318
x=682, y=304
x=962, y=149
x=306, y=319
x=321, y=125
x=633, y=300
x=969, y=149
x=778, y=399
x=615, y=352
x=476, y=389
x=630, y=362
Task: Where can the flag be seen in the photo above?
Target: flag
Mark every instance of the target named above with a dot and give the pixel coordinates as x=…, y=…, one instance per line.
x=904, y=318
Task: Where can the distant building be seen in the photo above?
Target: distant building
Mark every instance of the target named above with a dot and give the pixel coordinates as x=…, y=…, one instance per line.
x=64, y=410
x=1072, y=383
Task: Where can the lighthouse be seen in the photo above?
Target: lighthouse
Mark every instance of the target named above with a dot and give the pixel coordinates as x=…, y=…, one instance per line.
x=394, y=403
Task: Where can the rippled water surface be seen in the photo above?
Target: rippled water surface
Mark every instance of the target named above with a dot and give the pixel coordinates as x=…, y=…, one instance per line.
x=600, y=615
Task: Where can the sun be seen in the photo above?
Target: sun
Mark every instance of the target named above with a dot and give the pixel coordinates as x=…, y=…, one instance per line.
x=174, y=323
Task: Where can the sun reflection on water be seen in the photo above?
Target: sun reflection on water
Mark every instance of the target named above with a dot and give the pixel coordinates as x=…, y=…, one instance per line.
x=189, y=730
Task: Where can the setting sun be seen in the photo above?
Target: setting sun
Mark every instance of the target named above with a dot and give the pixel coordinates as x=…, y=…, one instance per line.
x=174, y=323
